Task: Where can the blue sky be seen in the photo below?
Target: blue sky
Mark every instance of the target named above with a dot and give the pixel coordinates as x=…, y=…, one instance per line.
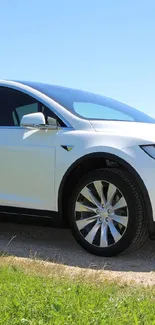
x=104, y=46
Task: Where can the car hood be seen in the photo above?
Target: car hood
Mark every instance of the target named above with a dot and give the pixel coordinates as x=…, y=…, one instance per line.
x=145, y=131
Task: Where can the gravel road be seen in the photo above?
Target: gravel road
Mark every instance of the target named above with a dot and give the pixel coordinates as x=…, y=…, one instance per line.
x=38, y=239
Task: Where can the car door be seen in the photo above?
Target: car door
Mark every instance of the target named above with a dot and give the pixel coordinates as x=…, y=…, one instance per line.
x=27, y=157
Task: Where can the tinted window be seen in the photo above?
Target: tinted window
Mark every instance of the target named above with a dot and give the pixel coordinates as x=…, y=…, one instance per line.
x=15, y=104
x=26, y=109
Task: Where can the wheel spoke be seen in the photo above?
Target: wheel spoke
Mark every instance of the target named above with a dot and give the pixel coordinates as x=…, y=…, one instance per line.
x=120, y=204
x=116, y=235
x=86, y=192
x=103, y=238
x=80, y=207
x=103, y=200
x=99, y=188
x=98, y=185
x=111, y=192
x=84, y=222
x=94, y=200
x=92, y=233
x=122, y=220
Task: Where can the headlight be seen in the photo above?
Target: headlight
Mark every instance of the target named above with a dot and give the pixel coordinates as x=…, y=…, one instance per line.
x=150, y=150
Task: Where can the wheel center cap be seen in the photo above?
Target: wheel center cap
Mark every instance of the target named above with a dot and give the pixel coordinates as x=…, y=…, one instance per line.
x=103, y=214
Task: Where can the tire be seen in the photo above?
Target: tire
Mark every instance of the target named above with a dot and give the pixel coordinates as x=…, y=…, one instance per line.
x=107, y=233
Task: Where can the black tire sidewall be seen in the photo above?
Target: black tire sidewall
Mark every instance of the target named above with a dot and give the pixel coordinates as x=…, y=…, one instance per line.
x=127, y=188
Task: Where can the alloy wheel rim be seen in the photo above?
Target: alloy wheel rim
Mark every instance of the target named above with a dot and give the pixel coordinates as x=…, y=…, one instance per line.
x=101, y=214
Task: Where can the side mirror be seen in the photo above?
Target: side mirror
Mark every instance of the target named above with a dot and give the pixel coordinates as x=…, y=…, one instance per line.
x=37, y=121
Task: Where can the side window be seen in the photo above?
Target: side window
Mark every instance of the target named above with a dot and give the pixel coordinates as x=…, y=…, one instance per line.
x=26, y=109
x=48, y=113
x=14, y=105
x=23, y=110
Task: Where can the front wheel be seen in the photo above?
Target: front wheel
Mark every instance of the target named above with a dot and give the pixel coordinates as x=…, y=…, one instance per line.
x=106, y=213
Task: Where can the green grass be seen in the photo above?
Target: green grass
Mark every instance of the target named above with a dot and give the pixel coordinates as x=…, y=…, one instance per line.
x=38, y=300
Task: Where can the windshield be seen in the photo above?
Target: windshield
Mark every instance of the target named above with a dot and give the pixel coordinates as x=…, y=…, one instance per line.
x=91, y=106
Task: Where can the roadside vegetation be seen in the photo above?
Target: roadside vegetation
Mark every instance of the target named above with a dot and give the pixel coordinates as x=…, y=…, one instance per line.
x=31, y=293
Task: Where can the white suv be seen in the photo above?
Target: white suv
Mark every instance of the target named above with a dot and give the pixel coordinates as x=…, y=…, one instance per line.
x=78, y=157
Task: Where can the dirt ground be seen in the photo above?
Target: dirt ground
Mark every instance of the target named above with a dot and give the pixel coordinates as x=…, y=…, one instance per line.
x=28, y=239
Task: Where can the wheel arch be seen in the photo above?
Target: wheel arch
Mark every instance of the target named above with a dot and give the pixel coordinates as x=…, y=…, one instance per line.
x=82, y=166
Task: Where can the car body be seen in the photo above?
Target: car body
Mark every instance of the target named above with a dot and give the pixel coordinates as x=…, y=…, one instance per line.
x=43, y=166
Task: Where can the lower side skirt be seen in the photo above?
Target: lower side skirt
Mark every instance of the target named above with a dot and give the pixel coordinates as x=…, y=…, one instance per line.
x=32, y=216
